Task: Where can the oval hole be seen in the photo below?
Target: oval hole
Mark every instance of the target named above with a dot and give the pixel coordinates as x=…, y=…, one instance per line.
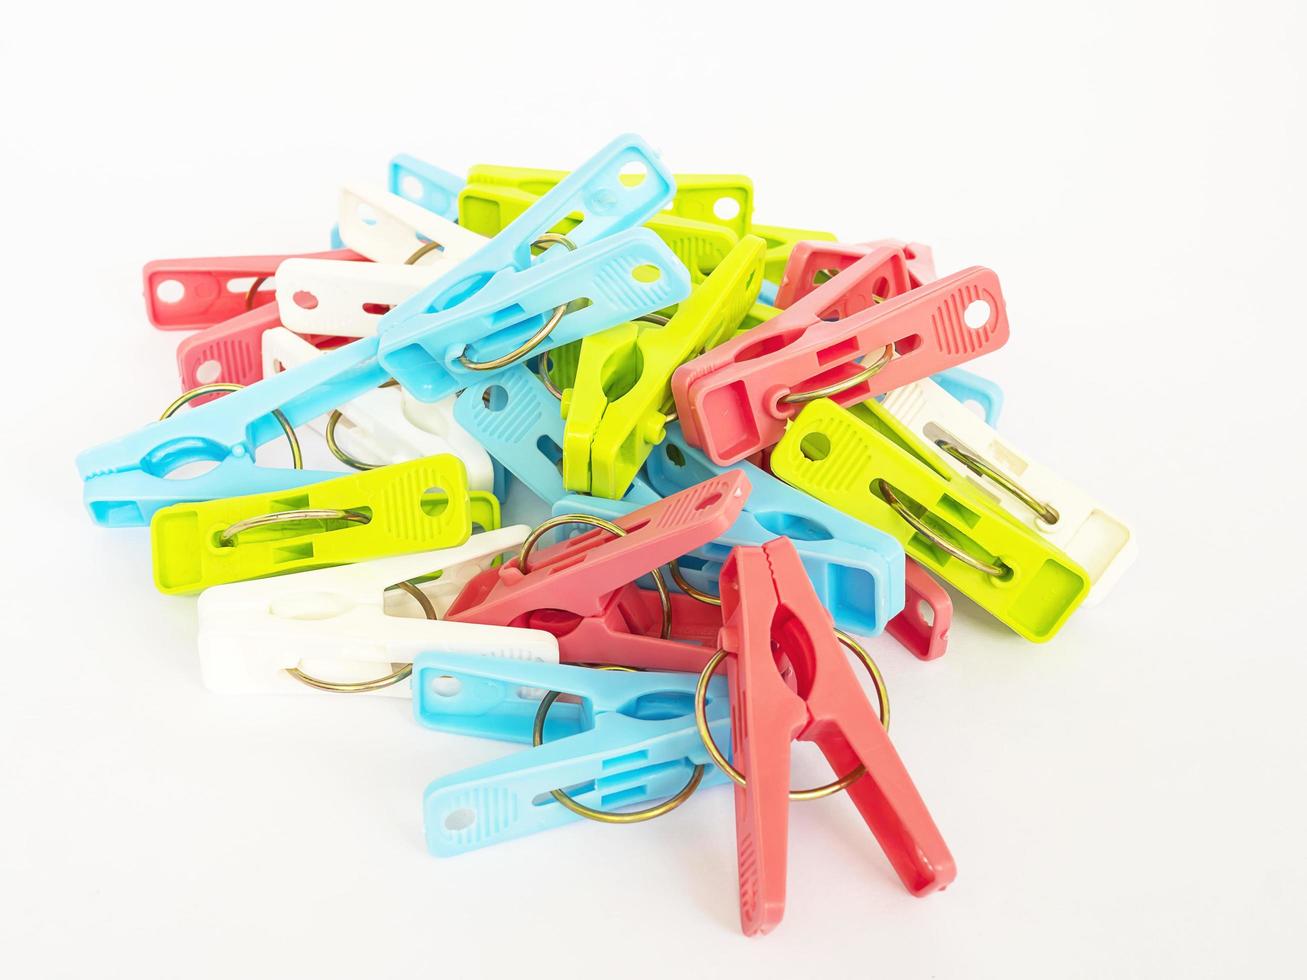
x=674, y=454
x=726, y=208
x=170, y=291
x=708, y=501
x=633, y=173
x=977, y=314
x=304, y=299
x=495, y=398
x=445, y=686
x=646, y=273
x=410, y=187
x=815, y=446
x=925, y=612
x=208, y=372
x=435, y=501
x=460, y=819
x=794, y=526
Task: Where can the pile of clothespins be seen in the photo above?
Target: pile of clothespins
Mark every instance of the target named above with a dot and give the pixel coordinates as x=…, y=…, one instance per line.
x=749, y=425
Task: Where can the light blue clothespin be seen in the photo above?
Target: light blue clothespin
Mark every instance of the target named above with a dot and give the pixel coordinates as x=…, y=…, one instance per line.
x=425, y=184
x=630, y=740
x=767, y=294
x=519, y=423
x=857, y=570
x=126, y=480
x=446, y=336
x=968, y=387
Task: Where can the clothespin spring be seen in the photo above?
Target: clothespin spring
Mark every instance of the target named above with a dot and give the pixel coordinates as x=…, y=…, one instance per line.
x=1046, y=512
x=397, y=673
x=998, y=569
x=536, y=339
x=816, y=792
x=604, y=816
x=333, y=420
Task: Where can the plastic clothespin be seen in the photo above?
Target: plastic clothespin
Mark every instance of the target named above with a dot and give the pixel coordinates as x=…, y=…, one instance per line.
x=700, y=245
x=780, y=243
x=332, y=629
x=516, y=419
x=813, y=263
x=856, y=569
x=1054, y=508
x=923, y=624
x=189, y=294
x=499, y=306
x=628, y=739
x=414, y=506
x=737, y=398
x=425, y=184
x=581, y=589
x=770, y=612
x=871, y=466
x=376, y=428
x=816, y=262
x=127, y=480
x=617, y=409
x=721, y=199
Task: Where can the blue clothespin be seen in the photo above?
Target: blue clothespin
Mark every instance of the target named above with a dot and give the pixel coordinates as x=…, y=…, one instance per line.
x=425, y=184
x=629, y=740
x=126, y=480
x=767, y=294
x=857, y=570
x=518, y=421
x=448, y=335
x=968, y=387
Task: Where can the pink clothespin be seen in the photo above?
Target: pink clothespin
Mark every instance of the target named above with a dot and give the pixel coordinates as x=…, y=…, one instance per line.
x=922, y=627
x=812, y=263
x=737, y=398
x=582, y=589
x=772, y=618
x=232, y=351
x=188, y=294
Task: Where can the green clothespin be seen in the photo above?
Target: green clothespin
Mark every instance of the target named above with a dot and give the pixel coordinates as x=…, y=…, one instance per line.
x=416, y=506
x=868, y=464
x=617, y=410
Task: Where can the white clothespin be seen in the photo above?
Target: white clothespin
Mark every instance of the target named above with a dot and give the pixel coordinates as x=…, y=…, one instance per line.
x=329, y=629
x=385, y=425
x=1057, y=509
x=409, y=245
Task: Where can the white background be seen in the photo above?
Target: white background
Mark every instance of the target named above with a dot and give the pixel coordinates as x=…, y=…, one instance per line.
x=1125, y=801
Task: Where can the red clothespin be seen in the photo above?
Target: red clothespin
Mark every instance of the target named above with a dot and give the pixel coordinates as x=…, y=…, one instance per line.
x=582, y=589
x=188, y=294
x=862, y=333
x=231, y=352
x=812, y=263
x=772, y=618
x=922, y=626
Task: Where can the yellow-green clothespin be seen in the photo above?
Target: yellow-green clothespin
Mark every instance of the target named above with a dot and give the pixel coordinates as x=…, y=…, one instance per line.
x=487, y=208
x=718, y=199
x=617, y=410
x=868, y=464
x=780, y=242
x=416, y=506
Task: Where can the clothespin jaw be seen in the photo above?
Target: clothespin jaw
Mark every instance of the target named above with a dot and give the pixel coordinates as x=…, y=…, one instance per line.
x=857, y=570
x=412, y=506
x=127, y=480
x=772, y=616
x=580, y=588
x=617, y=410
x=388, y=228
x=622, y=739
x=1052, y=507
x=870, y=466
x=517, y=420
x=738, y=398
x=190, y=294
x=425, y=184
x=336, y=630
x=780, y=243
